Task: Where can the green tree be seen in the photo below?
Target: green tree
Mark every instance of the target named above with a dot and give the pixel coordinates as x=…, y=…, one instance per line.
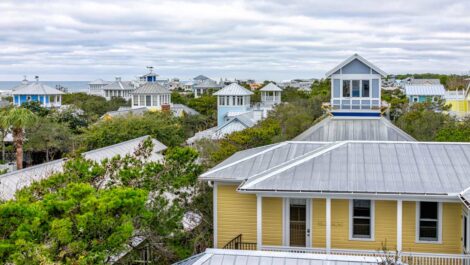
x=19, y=119
x=4, y=129
x=48, y=136
x=36, y=108
x=422, y=122
x=93, y=106
x=161, y=125
x=458, y=131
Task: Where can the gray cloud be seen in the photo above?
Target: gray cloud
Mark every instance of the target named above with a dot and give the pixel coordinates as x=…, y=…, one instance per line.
x=83, y=40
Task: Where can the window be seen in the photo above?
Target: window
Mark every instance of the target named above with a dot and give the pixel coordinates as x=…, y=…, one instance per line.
x=415, y=99
x=240, y=100
x=361, y=219
x=222, y=101
x=355, y=88
x=28, y=98
x=136, y=100
x=148, y=101
x=233, y=101
x=346, y=88
x=365, y=89
x=428, y=223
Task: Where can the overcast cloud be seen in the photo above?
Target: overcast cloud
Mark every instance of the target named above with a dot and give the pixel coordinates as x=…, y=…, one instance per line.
x=84, y=40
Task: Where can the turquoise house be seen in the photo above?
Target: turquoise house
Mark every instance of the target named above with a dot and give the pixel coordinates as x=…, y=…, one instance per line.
x=47, y=96
x=231, y=100
x=424, y=93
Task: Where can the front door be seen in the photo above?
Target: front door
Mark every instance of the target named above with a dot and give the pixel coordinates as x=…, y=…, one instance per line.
x=298, y=224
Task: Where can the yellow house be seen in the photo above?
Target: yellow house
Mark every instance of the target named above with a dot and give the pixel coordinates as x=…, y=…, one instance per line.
x=346, y=197
x=459, y=101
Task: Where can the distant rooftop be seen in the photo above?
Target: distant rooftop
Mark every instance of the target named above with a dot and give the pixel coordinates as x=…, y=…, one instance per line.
x=233, y=89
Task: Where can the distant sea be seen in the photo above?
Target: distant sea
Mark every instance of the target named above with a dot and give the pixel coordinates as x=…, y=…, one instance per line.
x=72, y=86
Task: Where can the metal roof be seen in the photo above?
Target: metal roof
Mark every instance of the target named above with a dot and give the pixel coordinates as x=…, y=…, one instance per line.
x=425, y=90
x=13, y=181
x=245, y=164
x=98, y=82
x=233, y=89
x=151, y=88
x=352, y=58
x=270, y=87
x=332, y=129
x=35, y=88
x=208, y=83
x=366, y=167
x=124, y=112
x=421, y=81
x=186, y=109
x=201, y=77
x=247, y=257
x=119, y=85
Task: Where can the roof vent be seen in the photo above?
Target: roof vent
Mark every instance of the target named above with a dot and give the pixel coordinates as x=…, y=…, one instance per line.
x=37, y=79
x=118, y=78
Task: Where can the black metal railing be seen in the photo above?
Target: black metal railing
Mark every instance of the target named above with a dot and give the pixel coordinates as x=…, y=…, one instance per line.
x=237, y=243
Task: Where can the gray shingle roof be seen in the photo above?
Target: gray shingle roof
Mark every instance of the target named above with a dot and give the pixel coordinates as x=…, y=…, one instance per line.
x=35, y=88
x=119, y=85
x=245, y=257
x=13, y=181
x=425, y=90
x=270, y=87
x=387, y=168
x=243, y=165
x=233, y=89
x=332, y=129
x=151, y=88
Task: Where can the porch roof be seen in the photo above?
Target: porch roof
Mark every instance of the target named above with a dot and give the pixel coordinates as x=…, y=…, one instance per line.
x=416, y=168
x=245, y=257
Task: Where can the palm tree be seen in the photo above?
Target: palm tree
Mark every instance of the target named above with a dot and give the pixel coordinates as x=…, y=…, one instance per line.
x=4, y=129
x=18, y=119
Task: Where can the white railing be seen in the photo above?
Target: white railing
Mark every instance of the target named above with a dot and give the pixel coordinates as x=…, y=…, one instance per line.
x=355, y=104
x=410, y=258
x=457, y=95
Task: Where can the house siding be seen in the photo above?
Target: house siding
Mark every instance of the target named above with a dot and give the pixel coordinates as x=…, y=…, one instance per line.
x=356, y=67
x=451, y=230
x=319, y=223
x=236, y=214
x=272, y=221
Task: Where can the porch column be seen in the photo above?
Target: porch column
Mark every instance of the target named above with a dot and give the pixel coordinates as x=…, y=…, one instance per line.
x=259, y=220
x=399, y=225
x=328, y=225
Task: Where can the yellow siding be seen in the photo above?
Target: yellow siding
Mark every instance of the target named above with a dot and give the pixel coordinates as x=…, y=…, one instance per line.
x=459, y=105
x=319, y=223
x=451, y=230
x=385, y=226
x=272, y=221
x=236, y=214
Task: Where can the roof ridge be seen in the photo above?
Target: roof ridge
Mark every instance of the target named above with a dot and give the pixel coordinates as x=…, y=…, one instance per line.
x=293, y=162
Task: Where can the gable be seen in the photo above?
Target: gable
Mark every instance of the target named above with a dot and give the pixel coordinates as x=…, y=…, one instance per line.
x=356, y=67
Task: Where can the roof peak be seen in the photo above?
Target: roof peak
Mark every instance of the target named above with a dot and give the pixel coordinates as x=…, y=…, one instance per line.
x=352, y=58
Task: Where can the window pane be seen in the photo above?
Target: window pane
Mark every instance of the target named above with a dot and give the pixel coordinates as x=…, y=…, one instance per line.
x=361, y=228
x=148, y=100
x=428, y=230
x=365, y=88
x=346, y=88
x=428, y=210
x=361, y=208
x=355, y=88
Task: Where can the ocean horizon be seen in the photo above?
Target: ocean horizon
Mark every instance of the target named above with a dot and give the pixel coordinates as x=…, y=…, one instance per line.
x=72, y=86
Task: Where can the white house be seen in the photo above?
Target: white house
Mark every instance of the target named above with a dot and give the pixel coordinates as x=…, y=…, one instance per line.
x=151, y=95
x=96, y=87
x=119, y=88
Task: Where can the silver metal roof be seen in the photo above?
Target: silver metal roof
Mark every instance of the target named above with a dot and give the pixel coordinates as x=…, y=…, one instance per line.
x=270, y=87
x=332, y=129
x=245, y=164
x=13, y=181
x=400, y=168
x=233, y=89
x=99, y=82
x=201, y=77
x=208, y=83
x=119, y=85
x=151, y=88
x=35, y=88
x=425, y=90
x=245, y=257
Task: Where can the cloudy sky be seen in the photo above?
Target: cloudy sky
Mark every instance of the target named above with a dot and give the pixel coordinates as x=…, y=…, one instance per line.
x=277, y=40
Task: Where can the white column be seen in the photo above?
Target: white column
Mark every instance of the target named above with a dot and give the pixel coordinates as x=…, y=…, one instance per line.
x=214, y=210
x=328, y=225
x=399, y=225
x=259, y=221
